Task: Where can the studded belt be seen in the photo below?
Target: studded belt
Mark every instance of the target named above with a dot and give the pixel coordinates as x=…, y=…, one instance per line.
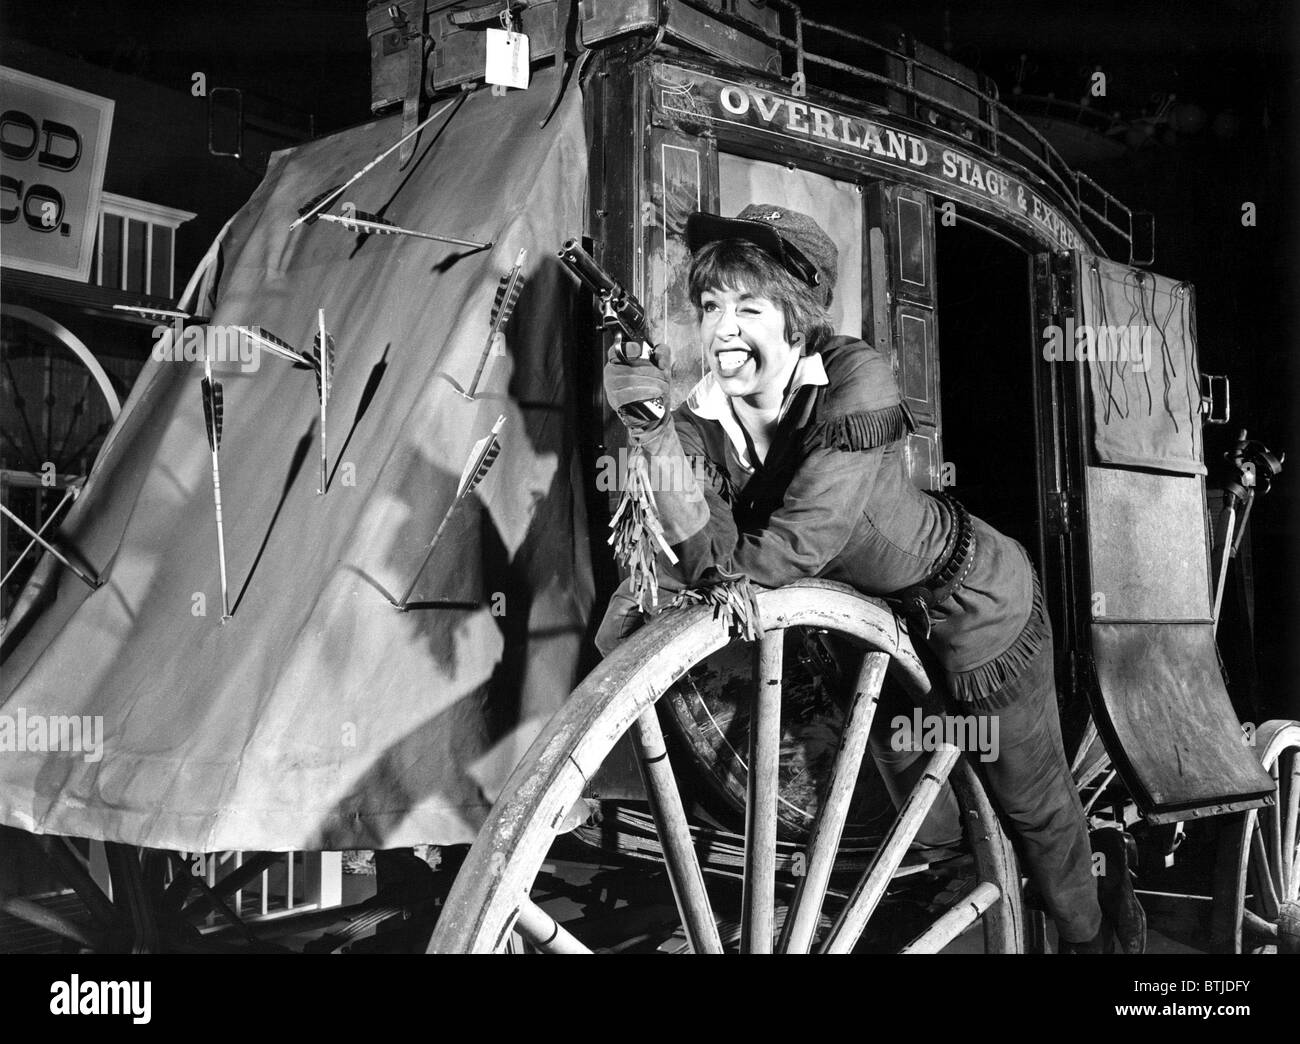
x=953, y=566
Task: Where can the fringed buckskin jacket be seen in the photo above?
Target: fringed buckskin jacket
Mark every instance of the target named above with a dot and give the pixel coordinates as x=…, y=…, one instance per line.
x=833, y=500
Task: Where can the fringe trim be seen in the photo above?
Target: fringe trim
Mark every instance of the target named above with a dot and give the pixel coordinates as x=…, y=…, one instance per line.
x=983, y=684
x=718, y=476
x=733, y=598
x=637, y=533
x=864, y=430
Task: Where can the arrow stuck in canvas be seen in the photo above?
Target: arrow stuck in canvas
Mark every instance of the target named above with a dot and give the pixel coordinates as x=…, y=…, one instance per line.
x=213, y=415
x=323, y=361
x=94, y=582
x=276, y=346
x=359, y=221
x=312, y=208
x=481, y=458
x=503, y=307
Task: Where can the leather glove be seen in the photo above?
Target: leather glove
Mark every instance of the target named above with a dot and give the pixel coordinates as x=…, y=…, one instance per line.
x=638, y=388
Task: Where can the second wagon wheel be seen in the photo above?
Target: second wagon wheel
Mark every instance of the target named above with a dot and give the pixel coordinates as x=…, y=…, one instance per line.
x=1257, y=886
x=491, y=895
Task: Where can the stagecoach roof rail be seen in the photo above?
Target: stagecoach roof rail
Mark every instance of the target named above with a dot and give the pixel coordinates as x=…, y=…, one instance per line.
x=1050, y=163
x=1095, y=119
x=1049, y=168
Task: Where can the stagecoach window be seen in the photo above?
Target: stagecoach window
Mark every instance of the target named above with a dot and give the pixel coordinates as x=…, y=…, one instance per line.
x=835, y=205
x=911, y=241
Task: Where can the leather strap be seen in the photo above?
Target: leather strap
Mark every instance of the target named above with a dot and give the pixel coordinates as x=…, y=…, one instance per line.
x=566, y=22
x=486, y=14
x=415, y=36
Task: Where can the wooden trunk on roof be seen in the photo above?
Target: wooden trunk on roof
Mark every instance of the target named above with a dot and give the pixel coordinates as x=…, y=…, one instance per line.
x=448, y=38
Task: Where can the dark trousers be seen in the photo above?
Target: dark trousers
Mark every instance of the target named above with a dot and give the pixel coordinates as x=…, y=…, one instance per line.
x=1029, y=780
x=1031, y=784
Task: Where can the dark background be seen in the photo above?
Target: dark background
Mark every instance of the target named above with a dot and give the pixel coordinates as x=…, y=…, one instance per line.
x=307, y=63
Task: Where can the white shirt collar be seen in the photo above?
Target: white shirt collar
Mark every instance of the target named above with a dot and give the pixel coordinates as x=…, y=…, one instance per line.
x=708, y=400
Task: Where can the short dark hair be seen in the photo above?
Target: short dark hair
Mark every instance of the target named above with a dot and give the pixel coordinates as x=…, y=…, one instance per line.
x=732, y=264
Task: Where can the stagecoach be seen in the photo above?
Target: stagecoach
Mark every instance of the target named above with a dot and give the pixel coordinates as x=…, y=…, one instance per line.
x=402, y=654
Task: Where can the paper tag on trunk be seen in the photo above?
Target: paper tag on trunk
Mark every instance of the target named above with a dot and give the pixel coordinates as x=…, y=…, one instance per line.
x=507, y=58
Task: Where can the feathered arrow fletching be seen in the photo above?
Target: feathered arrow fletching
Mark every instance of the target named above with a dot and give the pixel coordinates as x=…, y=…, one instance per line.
x=507, y=296
x=481, y=459
x=277, y=346
x=323, y=360
x=503, y=307
x=318, y=203
x=213, y=410
x=306, y=213
x=373, y=222
x=323, y=366
x=165, y=316
x=322, y=353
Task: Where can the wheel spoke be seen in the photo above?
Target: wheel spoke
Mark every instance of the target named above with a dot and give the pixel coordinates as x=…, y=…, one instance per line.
x=675, y=835
x=1085, y=747
x=1265, y=891
x=1273, y=835
x=965, y=912
x=806, y=909
x=564, y=761
x=544, y=932
x=758, y=909
x=1290, y=853
x=1101, y=789
x=871, y=888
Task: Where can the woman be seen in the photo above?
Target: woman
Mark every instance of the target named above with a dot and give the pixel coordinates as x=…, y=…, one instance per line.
x=789, y=462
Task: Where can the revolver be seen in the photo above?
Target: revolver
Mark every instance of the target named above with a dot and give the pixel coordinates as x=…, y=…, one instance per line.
x=621, y=313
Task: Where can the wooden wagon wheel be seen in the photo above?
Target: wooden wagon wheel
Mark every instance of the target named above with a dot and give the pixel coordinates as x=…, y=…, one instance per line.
x=1257, y=886
x=491, y=893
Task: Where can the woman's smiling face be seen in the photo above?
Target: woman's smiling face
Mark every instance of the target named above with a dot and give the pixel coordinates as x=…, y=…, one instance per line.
x=743, y=336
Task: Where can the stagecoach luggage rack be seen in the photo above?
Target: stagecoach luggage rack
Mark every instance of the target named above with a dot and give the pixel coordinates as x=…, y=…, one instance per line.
x=460, y=44
x=902, y=75
x=449, y=39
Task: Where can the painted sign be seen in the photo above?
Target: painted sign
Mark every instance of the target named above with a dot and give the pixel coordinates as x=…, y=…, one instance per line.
x=53, y=147
x=693, y=96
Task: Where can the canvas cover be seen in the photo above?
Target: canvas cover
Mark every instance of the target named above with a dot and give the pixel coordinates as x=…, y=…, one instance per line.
x=1140, y=343
x=319, y=716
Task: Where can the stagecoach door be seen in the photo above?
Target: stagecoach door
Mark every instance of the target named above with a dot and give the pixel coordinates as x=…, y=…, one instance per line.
x=899, y=299
x=1126, y=508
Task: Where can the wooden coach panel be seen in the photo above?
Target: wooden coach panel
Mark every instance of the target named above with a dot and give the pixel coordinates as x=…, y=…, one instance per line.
x=1148, y=546
x=1186, y=753
x=901, y=306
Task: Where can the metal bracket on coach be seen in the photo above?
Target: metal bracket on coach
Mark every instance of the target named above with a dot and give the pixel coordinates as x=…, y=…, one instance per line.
x=1215, y=391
